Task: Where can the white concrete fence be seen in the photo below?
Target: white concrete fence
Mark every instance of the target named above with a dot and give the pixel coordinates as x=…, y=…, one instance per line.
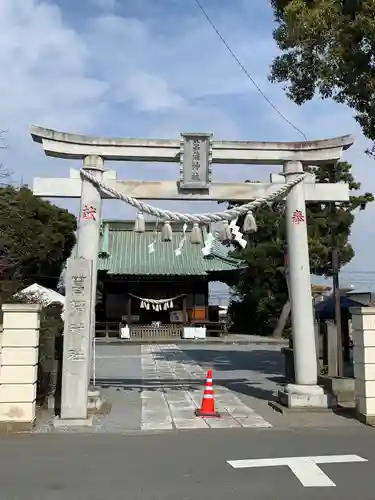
x=19, y=366
x=363, y=323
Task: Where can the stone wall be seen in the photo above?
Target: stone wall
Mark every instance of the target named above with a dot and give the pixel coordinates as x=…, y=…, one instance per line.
x=19, y=366
x=363, y=323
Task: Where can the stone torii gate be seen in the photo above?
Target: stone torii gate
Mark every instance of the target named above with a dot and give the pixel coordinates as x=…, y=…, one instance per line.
x=196, y=154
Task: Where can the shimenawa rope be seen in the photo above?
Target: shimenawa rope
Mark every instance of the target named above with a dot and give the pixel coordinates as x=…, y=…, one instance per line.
x=205, y=218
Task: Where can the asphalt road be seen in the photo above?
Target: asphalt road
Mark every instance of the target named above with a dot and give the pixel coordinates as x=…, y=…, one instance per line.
x=181, y=465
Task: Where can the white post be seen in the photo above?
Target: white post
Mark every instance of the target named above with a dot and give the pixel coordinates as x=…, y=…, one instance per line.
x=363, y=322
x=19, y=366
x=94, y=362
x=88, y=238
x=305, y=392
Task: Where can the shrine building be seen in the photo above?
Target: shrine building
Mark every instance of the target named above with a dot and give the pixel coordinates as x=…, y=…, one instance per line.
x=154, y=287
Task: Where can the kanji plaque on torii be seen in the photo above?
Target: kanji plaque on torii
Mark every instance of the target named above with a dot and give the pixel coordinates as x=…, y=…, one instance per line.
x=195, y=161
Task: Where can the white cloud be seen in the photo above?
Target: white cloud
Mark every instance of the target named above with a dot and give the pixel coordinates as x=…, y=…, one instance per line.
x=44, y=65
x=147, y=92
x=151, y=72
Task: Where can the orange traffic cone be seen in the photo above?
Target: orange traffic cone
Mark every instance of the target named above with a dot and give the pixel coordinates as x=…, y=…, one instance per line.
x=207, y=408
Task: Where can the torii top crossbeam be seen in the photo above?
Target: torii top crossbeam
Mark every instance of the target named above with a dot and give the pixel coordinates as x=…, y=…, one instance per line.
x=74, y=146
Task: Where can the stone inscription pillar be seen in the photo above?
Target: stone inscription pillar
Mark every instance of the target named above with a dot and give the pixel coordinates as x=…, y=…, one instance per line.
x=305, y=391
x=88, y=239
x=76, y=352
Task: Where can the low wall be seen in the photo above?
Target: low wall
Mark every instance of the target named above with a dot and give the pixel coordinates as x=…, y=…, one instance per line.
x=19, y=366
x=363, y=323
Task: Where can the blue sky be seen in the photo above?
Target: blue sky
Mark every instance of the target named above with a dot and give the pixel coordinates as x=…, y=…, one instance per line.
x=155, y=68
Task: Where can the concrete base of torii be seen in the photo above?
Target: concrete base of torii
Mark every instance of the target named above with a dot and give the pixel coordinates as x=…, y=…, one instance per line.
x=304, y=397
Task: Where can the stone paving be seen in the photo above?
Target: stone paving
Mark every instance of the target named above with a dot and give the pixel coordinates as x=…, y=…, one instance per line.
x=157, y=387
x=176, y=397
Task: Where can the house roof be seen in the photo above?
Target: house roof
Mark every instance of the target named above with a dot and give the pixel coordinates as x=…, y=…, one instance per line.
x=124, y=252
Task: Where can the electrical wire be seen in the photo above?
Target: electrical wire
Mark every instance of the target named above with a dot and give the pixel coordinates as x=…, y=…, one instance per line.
x=247, y=73
x=354, y=273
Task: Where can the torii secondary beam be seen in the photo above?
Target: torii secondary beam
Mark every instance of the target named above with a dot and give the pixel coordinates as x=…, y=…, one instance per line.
x=168, y=190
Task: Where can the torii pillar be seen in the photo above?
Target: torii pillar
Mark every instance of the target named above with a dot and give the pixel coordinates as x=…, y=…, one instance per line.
x=88, y=234
x=305, y=392
x=93, y=151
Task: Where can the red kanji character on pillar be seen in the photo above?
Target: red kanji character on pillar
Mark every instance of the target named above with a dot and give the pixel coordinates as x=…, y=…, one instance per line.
x=89, y=212
x=298, y=217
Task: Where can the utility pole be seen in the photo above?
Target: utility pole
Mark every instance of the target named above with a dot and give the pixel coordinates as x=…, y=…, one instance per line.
x=335, y=279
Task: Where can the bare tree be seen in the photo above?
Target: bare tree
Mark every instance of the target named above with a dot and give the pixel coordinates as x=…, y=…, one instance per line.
x=4, y=173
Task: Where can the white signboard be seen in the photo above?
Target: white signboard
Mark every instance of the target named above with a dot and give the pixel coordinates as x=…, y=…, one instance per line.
x=304, y=468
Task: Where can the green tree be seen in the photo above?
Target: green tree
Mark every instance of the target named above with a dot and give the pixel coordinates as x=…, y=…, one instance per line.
x=328, y=46
x=36, y=238
x=261, y=292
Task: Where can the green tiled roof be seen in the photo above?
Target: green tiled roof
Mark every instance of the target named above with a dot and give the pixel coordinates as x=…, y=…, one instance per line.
x=124, y=252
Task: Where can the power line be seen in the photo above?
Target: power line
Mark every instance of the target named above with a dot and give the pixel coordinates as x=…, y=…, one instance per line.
x=359, y=282
x=247, y=73
x=357, y=272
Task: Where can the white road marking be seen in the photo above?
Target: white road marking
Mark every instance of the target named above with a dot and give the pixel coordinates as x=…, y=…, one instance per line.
x=309, y=474
x=304, y=468
x=179, y=388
